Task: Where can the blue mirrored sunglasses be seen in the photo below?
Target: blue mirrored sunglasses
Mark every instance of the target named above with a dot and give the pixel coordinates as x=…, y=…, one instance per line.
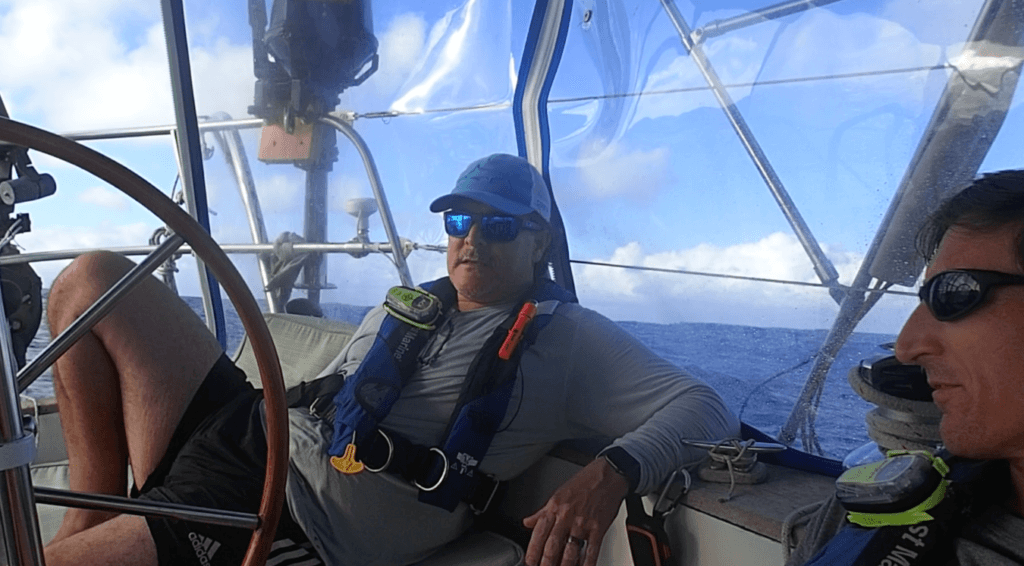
x=493, y=227
x=957, y=293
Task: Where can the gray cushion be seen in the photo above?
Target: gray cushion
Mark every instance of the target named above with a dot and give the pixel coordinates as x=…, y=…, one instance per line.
x=477, y=549
x=304, y=344
x=55, y=475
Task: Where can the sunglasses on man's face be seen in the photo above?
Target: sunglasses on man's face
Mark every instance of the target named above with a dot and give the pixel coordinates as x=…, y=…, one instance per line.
x=955, y=294
x=493, y=227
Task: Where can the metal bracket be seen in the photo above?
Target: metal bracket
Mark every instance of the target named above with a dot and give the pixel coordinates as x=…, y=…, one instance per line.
x=17, y=453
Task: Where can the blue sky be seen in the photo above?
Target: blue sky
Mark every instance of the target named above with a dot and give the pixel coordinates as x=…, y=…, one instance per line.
x=658, y=180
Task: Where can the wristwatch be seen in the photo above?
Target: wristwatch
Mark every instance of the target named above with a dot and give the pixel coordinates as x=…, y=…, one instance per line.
x=624, y=464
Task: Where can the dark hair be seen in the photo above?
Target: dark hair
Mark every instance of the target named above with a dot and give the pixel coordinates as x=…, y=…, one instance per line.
x=542, y=269
x=990, y=202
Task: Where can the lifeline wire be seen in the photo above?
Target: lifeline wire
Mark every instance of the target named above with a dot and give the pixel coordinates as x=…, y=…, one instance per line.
x=740, y=277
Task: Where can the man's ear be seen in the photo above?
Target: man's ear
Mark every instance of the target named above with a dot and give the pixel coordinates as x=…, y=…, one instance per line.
x=541, y=241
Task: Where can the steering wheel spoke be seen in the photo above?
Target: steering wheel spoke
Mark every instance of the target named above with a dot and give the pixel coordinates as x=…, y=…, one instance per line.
x=97, y=311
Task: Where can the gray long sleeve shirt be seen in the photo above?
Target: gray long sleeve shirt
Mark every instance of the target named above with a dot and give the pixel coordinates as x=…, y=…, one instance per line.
x=584, y=377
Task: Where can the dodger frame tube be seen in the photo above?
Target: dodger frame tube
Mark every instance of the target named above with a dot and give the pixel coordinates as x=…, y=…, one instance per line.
x=234, y=153
x=386, y=217
x=189, y=153
x=823, y=267
x=539, y=64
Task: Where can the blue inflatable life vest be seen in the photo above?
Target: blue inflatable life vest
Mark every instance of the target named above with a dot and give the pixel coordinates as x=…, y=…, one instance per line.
x=448, y=473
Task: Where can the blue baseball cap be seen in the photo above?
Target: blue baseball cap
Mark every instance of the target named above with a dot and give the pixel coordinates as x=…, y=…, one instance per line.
x=505, y=182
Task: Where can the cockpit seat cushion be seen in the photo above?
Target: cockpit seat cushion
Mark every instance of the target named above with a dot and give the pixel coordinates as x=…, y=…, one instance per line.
x=54, y=475
x=304, y=344
x=477, y=548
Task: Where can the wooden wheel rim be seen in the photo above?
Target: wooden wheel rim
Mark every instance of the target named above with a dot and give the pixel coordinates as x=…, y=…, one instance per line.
x=217, y=261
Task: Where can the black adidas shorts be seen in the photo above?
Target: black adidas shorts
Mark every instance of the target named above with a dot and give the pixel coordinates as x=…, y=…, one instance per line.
x=217, y=459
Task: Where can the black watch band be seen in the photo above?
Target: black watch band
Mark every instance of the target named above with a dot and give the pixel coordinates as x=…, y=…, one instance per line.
x=624, y=464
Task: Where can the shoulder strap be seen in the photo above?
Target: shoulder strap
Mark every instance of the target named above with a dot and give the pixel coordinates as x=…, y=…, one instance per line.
x=484, y=400
x=488, y=371
x=368, y=395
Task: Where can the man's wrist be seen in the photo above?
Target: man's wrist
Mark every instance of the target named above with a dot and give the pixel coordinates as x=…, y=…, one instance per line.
x=623, y=464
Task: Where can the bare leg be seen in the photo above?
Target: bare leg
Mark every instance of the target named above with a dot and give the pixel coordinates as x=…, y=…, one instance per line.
x=123, y=541
x=124, y=386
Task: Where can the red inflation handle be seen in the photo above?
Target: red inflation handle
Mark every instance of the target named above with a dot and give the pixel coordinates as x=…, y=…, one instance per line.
x=515, y=334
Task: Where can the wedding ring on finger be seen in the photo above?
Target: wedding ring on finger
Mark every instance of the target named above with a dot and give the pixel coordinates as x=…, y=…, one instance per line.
x=577, y=540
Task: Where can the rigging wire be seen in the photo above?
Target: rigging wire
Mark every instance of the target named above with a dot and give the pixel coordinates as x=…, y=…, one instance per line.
x=739, y=277
x=766, y=82
x=387, y=114
x=808, y=431
x=798, y=365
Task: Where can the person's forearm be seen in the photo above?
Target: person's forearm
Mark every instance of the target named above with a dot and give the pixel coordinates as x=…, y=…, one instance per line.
x=698, y=414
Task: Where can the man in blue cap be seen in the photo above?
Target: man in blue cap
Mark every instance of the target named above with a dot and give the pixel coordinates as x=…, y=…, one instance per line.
x=481, y=271
x=193, y=434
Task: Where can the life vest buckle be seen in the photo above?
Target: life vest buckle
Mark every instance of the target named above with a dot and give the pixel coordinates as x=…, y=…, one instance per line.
x=391, y=454
x=444, y=471
x=487, y=504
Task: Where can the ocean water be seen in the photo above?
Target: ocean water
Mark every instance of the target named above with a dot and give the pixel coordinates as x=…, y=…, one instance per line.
x=758, y=371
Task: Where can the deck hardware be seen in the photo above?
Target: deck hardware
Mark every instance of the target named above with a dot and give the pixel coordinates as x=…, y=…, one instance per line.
x=904, y=416
x=361, y=209
x=669, y=486
x=30, y=420
x=734, y=461
x=169, y=267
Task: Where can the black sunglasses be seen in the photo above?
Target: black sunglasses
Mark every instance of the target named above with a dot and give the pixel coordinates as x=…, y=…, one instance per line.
x=493, y=227
x=954, y=294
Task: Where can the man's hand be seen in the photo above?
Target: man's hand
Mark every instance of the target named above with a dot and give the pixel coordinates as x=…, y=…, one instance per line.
x=576, y=517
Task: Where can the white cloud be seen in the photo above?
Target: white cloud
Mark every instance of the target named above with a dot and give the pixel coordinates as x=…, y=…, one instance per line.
x=851, y=43
x=79, y=73
x=735, y=60
x=659, y=297
x=776, y=256
x=856, y=42
x=84, y=65
x=610, y=170
x=280, y=193
x=463, y=61
x=223, y=78
x=400, y=48
x=69, y=237
x=949, y=16
x=57, y=238
x=104, y=197
x=343, y=189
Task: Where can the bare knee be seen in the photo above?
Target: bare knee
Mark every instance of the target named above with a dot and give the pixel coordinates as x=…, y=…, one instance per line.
x=81, y=283
x=149, y=325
